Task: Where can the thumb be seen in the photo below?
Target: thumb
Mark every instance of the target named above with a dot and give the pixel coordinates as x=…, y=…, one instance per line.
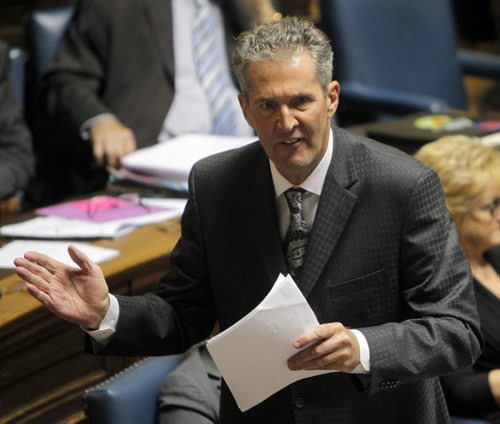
x=80, y=258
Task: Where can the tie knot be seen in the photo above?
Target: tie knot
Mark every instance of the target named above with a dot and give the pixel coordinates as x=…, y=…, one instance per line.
x=293, y=197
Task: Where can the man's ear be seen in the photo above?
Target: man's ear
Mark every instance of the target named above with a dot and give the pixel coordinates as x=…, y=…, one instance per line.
x=333, y=98
x=244, y=108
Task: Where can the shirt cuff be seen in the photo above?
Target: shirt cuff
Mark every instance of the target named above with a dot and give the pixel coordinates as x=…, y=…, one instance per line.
x=85, y=128
x=364, y=354
x=108, y=325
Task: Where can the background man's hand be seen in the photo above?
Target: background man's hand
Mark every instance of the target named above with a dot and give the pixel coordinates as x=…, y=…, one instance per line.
x=110, y=141
x=78, y=295
x=327, y=347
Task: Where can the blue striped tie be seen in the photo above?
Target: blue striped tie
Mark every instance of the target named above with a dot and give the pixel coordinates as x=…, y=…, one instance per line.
x=208, y=53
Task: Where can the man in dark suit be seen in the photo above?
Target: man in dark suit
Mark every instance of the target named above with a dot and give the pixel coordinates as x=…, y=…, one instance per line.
x=116, y=86
x=16, y=152
x=382, y=271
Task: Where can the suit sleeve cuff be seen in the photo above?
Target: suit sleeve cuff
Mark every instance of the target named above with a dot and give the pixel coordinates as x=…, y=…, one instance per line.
x=85, y=128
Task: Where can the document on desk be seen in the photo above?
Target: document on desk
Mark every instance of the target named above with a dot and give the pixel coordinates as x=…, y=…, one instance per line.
x=57, y=227
x=173, y=159
x=252, y=354
x=55, y=249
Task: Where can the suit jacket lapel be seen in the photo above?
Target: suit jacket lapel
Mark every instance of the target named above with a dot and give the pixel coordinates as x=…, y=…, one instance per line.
x=159, y=16
x=262, y=229
x=335, y=207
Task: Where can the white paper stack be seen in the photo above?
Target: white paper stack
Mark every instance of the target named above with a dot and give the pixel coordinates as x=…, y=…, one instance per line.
x=55, y=227
x=172, y=160
x=57, y=250
x=252, y=354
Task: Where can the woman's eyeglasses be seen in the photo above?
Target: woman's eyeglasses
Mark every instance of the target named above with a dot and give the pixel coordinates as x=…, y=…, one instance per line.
x=493, y=208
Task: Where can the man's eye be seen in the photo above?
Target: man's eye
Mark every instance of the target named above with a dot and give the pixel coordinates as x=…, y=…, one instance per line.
x=301, y=100
x=267, y=105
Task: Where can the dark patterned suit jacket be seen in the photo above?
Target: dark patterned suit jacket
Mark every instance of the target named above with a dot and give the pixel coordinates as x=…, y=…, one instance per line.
x=382, y=257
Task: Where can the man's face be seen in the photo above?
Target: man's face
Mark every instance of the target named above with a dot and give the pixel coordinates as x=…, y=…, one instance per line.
x=290, y=113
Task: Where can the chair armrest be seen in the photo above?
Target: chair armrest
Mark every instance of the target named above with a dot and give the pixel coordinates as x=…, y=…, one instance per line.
x=131, y=395
x=17, y=73
x=479, y=64
x=460, y=420
x=387, y=100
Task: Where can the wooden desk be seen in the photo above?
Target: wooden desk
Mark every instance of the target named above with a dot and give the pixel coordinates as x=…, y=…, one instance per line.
x=43, y=368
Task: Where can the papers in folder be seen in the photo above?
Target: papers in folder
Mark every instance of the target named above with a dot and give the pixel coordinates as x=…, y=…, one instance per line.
x=172, y=160
x=252, y=354
x=62, y=227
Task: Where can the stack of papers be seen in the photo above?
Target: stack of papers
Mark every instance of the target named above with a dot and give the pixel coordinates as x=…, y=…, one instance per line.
x=100, y=209
x=64, y=227
x=168, y=164
x=252, y=354
x=492, y=140
x=55, y=249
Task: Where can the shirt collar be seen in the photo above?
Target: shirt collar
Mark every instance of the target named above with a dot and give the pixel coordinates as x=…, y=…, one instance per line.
x=314, y=182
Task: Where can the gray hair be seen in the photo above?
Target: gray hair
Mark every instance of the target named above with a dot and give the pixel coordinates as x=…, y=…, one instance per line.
x=278, y=41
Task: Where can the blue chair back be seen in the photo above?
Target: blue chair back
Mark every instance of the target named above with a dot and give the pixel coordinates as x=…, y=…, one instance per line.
x=459, y=420
x=45, y=29
x=132, y=395
x=16, y=73
x=406, y=45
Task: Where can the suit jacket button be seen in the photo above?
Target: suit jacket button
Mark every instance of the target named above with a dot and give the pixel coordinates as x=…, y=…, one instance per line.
x=299, y=403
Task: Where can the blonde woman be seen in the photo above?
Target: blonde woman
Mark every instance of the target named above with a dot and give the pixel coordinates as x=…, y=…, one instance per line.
x=470, y=176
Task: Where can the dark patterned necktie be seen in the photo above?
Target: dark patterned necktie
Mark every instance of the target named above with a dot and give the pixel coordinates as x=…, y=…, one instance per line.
x=296, y=237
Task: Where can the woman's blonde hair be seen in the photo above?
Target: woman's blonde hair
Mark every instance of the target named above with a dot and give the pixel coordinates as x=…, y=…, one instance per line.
x=465, y=166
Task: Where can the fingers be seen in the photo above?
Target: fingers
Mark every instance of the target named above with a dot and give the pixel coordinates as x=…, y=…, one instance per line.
x=328, y=346
x=31, y=273
x=110, y=141
x=39, y=295
x=81, y=259
x=37, y=279
x=39, y=264
x=318, y=333
x=44, y=261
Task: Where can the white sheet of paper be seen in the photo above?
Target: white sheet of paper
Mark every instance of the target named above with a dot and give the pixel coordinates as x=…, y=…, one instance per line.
x=53, y=227
x=252, y=354
x=174, y=158
x=492, y=140
x=151, y=180
x=55, y=249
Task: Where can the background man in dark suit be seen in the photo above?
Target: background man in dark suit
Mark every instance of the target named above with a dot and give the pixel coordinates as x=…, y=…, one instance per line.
x=16, y=154
x=124, y=78
x=383, y=270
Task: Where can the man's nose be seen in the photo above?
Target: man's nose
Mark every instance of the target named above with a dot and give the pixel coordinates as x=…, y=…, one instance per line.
x=287, y=120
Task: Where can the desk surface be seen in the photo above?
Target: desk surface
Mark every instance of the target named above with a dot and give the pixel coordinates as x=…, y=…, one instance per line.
x=144, y=245
x=43, y=367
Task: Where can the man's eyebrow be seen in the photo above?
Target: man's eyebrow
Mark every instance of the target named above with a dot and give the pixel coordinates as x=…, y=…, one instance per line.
x=264, y=98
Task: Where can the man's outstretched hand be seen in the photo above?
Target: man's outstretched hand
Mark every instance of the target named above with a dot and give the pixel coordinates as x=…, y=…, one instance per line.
x=78, y=295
